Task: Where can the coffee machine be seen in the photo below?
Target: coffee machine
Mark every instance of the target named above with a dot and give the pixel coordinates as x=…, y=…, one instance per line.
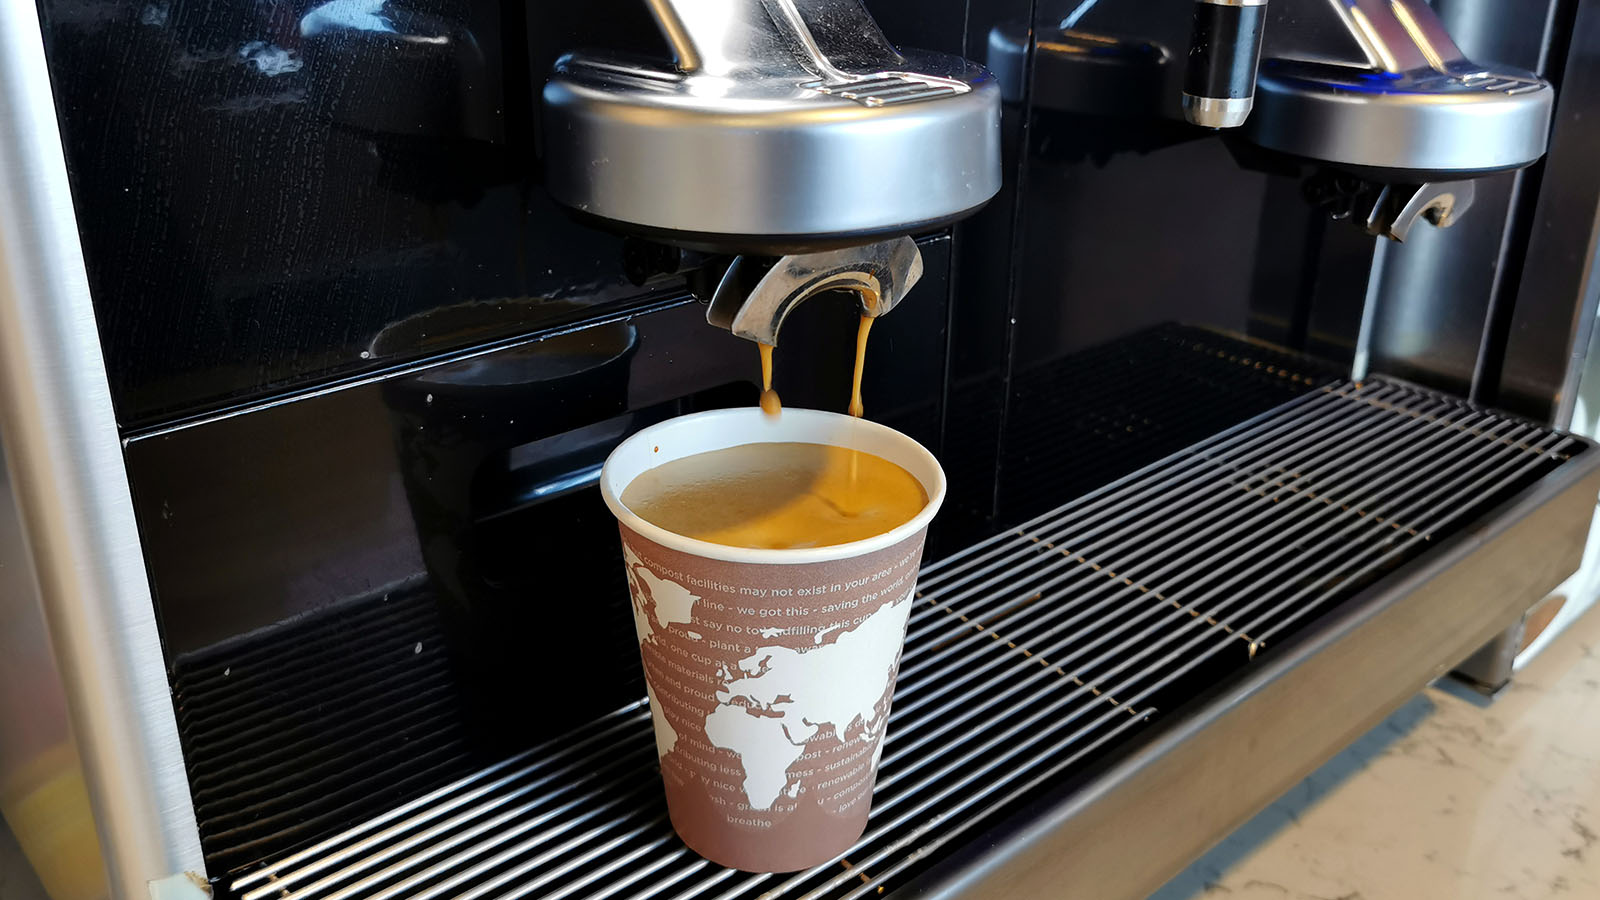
x=319, y=320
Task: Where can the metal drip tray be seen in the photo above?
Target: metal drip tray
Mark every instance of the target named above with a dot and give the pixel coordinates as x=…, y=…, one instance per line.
x=1051, y=667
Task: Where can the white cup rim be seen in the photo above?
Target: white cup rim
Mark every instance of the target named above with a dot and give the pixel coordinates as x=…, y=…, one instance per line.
x=756, y=427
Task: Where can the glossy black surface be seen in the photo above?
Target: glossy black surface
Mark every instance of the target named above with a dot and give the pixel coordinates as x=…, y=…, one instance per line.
x=1543, y=322
x=264, y=189
x=458, y=469
x=1132, y=220
x=981, y=309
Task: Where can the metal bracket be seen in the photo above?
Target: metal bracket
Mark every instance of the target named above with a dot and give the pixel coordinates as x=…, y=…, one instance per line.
x=1389, y=210
x=1401, y=206
x=756, y=294
x=729, y=37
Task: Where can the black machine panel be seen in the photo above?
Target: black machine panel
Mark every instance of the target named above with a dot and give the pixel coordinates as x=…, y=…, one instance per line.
x=269, y=194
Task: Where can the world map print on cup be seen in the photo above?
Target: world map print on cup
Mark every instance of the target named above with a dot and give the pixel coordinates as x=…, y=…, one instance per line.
x=770, y=668
x=770, y=688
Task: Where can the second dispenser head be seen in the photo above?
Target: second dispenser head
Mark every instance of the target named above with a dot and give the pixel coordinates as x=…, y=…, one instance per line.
x=1383, y=92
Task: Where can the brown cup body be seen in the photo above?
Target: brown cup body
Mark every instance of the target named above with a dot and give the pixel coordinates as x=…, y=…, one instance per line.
x=770, y=687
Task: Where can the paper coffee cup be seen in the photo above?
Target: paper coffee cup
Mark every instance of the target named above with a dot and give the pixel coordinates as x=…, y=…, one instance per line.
x=769, y=671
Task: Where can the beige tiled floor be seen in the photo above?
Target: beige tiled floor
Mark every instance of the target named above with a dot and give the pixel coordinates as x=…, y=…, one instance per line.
x=1449, y=799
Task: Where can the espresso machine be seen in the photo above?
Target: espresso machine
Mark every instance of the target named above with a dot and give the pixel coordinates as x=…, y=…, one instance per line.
x=1249, y=336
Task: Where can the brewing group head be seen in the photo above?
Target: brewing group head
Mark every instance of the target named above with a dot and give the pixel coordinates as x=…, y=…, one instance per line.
x=776, y=127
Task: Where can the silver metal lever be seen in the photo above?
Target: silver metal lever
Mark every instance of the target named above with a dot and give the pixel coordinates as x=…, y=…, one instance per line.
x=1403, y=36
x=815, y=37
x=1400, y=207
x=880, y=274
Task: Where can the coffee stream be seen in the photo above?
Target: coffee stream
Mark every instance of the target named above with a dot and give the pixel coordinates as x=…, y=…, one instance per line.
x=781, y=495
x=856, y=408
x=769, y=397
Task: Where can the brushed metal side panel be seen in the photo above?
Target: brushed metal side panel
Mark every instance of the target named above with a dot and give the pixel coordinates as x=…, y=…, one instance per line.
x=65, y=462
x=42, y=794
x=1133, y=824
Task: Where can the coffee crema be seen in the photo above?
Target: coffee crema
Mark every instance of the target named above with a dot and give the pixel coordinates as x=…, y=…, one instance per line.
x=777, y=496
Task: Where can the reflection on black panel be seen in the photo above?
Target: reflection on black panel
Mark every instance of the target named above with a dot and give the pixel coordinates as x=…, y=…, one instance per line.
x=262, y=188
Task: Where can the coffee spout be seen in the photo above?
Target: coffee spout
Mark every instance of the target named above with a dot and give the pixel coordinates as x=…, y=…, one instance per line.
x=758, y=293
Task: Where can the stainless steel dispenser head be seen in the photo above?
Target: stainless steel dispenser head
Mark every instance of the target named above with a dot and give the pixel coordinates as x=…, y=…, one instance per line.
x=785, y=126
x=756, y=295
x=1419, y=105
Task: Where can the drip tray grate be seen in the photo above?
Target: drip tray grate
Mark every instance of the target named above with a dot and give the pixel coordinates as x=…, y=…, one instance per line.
x=321, y=723
x=1028, y=655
